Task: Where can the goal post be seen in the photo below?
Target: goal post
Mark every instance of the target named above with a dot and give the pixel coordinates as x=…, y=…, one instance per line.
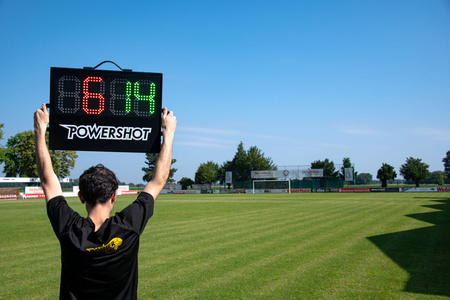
x=272, y=184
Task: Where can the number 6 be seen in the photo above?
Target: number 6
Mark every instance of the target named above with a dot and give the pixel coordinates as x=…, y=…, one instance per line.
x=99, y=96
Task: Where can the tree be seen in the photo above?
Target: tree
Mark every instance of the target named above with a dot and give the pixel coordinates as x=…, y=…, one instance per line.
x=1, y=131
x=239, y=166
x=437, y=177
x=207, y=173
x=257, y=161
x=244, y=162
x=185, y=182
x=446, y=161
x=1, y=147
x=150, y=161
x=329, y=171
x=364, y=178
x=414, y=169
x=19, y=157
x=385, y=173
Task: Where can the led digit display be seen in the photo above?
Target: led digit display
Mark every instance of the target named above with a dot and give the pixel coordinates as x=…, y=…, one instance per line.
x=97, y=110
x=100, y=104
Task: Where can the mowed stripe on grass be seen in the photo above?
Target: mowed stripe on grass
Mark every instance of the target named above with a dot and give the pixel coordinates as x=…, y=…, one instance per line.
x=264, y=246
x=274, y=246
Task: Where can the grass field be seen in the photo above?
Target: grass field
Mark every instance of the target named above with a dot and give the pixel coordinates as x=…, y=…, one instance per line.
x=278, y=246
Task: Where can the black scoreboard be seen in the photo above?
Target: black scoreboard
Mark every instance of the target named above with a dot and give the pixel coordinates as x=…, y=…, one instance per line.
x=98, y=110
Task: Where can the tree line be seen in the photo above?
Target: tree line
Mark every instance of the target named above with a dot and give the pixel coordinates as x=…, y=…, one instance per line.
x=18, y=157
x=243, y=162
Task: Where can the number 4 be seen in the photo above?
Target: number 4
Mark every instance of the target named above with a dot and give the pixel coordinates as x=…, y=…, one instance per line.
x=140, y=97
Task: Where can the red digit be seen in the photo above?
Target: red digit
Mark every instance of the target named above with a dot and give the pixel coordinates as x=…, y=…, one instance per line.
x=88, y=95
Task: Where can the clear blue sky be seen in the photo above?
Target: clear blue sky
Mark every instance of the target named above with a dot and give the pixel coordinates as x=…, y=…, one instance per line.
x=301, y=80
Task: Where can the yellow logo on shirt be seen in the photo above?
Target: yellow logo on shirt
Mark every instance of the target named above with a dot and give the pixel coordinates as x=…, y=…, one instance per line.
x=111, y=246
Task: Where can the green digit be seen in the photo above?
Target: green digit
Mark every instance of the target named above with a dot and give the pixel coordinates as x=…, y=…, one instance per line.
x=149, y=98
x=128, y=99
x=117, y=98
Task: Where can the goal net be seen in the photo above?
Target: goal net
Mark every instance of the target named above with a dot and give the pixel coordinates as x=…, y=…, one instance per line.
x=271, y=185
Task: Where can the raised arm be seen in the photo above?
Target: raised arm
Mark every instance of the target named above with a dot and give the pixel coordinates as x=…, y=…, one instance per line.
x=49, y=181
x=162, y=168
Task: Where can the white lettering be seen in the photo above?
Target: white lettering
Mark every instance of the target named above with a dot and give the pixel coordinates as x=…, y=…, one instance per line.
x=94, y=132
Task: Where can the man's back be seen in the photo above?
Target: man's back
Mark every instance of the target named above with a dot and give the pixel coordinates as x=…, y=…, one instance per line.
x=103, y=263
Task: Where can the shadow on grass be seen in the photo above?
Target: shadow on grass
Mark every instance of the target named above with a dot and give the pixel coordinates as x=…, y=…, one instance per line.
x=424, y=252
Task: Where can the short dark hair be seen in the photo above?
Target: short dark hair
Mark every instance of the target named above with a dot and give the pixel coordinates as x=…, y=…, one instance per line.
x=98, y=184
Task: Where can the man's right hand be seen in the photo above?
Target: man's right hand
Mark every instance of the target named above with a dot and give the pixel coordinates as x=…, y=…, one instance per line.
x=162, y=168
x=168, y=122
x=41, y=119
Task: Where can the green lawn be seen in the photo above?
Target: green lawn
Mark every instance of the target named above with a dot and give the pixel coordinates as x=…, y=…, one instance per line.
x=264, y=246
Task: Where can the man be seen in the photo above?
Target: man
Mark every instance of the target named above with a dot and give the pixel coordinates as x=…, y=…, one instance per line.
x=99, y=253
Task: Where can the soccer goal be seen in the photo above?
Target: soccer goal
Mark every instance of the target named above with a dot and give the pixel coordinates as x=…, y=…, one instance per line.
x=271, y=184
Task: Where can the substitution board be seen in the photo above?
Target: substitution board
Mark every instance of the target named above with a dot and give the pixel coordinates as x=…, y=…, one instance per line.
x=98, y=110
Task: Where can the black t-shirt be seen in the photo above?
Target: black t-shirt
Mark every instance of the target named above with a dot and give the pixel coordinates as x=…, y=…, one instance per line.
x=100, y=264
